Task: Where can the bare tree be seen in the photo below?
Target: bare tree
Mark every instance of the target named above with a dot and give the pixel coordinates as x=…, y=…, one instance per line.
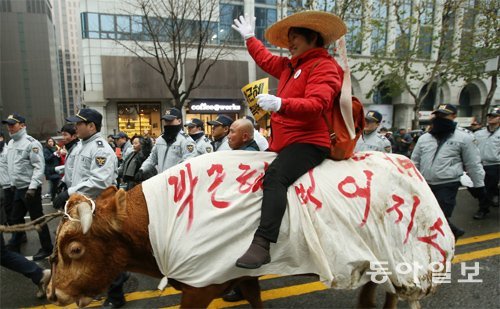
x=171, y=32
x=407, y=63
x=482, y=44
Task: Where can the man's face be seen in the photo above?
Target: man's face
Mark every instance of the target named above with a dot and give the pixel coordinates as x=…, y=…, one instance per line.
x=219, y=131
x=84, y=129
x=193, y=130
x=371, y=125
x=493, y=120
x=120, y=141
x=236, y=137
x=67, y=137
x=14, y=128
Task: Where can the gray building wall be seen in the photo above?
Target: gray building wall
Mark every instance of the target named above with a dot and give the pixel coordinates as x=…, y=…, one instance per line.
x=29, y=74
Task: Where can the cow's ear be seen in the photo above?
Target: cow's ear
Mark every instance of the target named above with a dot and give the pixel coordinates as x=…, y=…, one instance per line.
x=121, y=203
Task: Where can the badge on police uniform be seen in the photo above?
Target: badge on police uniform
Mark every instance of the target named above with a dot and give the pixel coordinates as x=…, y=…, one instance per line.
x=209, y=149
x=35, y=149
x=190, y=148
x=100, y=161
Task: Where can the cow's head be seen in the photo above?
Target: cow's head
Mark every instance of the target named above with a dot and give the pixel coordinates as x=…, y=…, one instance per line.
x=90, y=249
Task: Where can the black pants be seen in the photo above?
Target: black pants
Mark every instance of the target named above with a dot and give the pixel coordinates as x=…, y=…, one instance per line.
x=291, y=163
x=33, y=206
x=446, y=195
x=491, y=179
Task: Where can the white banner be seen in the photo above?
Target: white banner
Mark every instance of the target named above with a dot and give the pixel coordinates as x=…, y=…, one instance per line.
x=342, y=220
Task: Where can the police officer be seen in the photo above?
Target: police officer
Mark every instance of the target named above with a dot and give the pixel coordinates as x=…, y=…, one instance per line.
x=95, y=168
x=441, y=155
x=171, y=148
x=220, y=130
x=488, y=140
x=26, y=166
x=371, y=140
x=196, y=130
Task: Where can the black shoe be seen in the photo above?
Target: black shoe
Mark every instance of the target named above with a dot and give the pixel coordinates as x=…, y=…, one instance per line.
x=114, y=303
x=233, y=296
x=458, y=233
x=256, y=255
x=41, y=254
x=481, y=214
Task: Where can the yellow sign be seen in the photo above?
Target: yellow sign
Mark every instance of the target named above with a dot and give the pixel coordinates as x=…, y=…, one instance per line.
x=251, y=91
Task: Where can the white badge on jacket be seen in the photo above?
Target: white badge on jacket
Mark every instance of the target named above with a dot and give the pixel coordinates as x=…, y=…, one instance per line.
x=297, y=74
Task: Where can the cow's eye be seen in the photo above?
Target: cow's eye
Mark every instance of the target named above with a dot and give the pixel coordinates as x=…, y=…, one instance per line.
x=75, y=250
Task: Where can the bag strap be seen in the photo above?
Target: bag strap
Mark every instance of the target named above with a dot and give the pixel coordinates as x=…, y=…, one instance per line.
x=328, y=124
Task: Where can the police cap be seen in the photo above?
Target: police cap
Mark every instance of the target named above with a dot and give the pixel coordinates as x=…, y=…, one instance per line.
x=14, y=118
x=87, y=115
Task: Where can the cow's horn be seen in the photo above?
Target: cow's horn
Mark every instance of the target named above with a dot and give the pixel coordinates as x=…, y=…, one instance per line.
x=85, y=214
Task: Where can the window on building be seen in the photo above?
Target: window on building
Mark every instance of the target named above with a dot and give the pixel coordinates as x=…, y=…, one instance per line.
x=107, y=26
x=139, y=119
x=468, y=26
x=265, y=17
x=229, y=12
x=403, y=27
x=123, y=27
x=426, y=14
x=379, y=23
x=354, y=22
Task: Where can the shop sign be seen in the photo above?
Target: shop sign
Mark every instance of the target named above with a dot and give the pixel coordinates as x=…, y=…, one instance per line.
x=214, y=106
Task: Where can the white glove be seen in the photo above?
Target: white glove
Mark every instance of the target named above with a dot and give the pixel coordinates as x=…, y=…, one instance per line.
x=269, y=102
x=244, y=26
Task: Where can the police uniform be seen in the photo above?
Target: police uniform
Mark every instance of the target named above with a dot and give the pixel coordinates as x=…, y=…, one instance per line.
x=221, y=144
x=373, y=142
x=203, y=145
x=26, y=166
x=95, y=167
x=489, y=147
x=163, y=156
x=69, y=164
x=442, y=163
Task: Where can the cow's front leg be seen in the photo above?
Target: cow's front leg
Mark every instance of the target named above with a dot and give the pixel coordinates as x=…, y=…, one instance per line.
x=250, y=288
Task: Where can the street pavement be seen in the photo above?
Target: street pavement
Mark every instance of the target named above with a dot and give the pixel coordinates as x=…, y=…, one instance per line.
x=480, y=244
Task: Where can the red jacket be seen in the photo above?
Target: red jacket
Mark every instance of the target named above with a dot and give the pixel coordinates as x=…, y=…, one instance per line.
x=308, y=85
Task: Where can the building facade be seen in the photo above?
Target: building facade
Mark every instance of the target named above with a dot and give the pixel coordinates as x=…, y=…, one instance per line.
x=29, y=70
x=68, y=37
x=132, y=96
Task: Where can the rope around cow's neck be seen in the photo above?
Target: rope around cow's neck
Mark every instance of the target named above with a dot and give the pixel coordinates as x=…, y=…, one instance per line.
x=33, y=225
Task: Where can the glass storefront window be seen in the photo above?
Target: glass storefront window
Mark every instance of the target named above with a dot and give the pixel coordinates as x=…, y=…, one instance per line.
x=140, y=119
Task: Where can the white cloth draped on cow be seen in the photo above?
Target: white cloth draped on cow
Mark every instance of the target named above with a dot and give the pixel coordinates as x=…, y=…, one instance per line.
x=341, y=216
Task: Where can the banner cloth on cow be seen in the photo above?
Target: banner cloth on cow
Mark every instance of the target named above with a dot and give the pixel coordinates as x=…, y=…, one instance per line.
x=341, y=216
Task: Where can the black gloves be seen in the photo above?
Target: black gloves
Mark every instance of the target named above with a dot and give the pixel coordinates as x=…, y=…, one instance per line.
x=30, y=194
x=60, y=200
x=61, y=187
x=139, y=176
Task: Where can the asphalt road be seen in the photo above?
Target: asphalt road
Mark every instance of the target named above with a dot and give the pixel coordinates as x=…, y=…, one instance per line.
x=480, y=244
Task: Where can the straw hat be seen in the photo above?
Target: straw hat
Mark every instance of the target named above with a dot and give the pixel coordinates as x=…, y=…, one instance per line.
x=330, y=26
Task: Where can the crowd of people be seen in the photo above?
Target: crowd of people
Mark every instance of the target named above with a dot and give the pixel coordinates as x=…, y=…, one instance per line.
x=87, y=163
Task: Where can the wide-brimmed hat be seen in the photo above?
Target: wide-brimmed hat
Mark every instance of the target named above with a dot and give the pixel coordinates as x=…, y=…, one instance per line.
x=330, y=26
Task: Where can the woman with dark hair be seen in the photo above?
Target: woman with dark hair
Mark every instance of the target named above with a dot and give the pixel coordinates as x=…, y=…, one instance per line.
x=141, y=148
x=52, y=160
x=309, y=82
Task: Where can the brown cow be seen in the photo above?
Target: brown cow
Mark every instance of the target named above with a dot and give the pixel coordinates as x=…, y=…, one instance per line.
x=92, y=249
